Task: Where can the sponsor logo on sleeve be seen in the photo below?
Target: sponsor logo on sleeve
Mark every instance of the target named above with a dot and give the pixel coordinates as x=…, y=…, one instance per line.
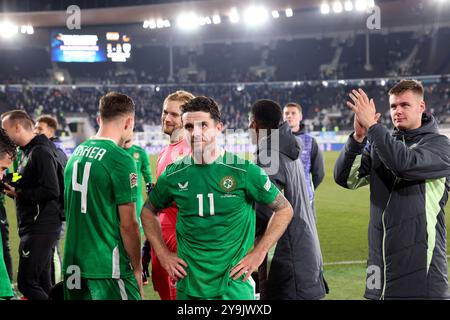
x=267, y=185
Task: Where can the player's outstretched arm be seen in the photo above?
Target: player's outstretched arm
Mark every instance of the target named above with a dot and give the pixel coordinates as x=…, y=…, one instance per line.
x=131, y=237
x=277, y=226
x=173, y=265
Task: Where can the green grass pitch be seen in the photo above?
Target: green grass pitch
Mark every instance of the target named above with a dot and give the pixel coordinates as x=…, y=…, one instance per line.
x=342, y=216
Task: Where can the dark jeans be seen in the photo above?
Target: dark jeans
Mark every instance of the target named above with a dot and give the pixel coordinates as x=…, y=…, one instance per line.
x=35, y=251
x=4, y=230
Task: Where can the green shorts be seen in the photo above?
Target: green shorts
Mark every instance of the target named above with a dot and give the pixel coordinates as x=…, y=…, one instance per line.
x=237, y=290
x=104, y=289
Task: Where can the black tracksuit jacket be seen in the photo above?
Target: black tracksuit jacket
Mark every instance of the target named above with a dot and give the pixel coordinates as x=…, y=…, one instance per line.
x=38, y=192
x=408, y=173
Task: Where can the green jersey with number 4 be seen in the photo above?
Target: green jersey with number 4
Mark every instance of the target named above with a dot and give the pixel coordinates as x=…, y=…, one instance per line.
x=98, y=177
x=216, y=217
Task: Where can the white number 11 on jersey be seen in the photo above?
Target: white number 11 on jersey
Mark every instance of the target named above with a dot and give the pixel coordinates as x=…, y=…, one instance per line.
x=83, y=187
x=200, y=204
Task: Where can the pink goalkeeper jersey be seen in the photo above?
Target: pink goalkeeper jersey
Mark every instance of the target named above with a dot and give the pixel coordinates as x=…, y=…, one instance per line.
x=168, y=155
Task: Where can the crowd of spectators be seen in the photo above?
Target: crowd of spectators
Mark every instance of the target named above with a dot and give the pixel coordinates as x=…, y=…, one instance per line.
x=323, y=104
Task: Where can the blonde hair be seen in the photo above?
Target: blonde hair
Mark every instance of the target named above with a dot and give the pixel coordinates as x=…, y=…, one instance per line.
x=180, y=95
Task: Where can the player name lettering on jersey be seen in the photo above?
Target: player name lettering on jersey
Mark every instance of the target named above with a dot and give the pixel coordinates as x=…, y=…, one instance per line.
x=90, y=152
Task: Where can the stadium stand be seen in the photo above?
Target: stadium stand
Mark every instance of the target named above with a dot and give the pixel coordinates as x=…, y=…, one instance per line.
x=323, y=106
x=408, y=54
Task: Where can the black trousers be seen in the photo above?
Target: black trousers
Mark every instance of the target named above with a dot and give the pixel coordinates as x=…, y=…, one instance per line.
x=4, y=230
x=34, y=278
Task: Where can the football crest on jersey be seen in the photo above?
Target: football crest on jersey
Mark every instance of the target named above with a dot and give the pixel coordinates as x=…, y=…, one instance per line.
x=133, y=180
x=228, y=183
x=136, y=155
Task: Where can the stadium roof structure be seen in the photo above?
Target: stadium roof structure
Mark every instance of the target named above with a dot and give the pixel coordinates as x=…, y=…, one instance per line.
x=137, y=14
x=61, y=5
x=394, y=12
x=306, y=22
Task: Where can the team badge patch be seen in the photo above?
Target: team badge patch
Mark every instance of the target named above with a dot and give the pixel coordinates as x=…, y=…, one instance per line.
x=136, y=155
x=268, y=185
x=228, y=183
x=133, y=180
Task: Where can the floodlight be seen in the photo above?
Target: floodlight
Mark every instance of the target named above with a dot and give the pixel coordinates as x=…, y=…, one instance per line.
x=216, y=19
x=361, y=5
x=159, y=23
x=8, y=30
x=325, y=8
x=255, y=16
x=348, y=5
x=337, y=7
x=289, y=12
x=152, y=24
x=188, y=21
x=234, y=15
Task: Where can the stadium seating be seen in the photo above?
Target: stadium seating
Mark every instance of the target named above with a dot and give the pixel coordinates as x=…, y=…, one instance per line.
x=392, y=54
x=323, y=106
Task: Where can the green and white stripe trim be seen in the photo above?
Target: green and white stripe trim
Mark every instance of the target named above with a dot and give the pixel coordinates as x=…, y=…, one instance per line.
x=434, y=191
x=353, y=182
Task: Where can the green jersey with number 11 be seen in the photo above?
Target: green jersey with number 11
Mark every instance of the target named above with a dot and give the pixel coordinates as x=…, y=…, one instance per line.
x=98, y=177
x=216, y=217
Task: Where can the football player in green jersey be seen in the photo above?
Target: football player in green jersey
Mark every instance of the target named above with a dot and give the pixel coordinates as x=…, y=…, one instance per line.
x=143, y=172
x=215, y=193
x=102, y=248
x=8, y=151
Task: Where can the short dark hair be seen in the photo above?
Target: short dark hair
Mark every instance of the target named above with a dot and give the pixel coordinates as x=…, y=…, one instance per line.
x=407, y=85
x=294, y=105
x=114, y=105
x=49, y=121
x=7, y=146
x=204, y=104
x=21, y=117
x=267, y=114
